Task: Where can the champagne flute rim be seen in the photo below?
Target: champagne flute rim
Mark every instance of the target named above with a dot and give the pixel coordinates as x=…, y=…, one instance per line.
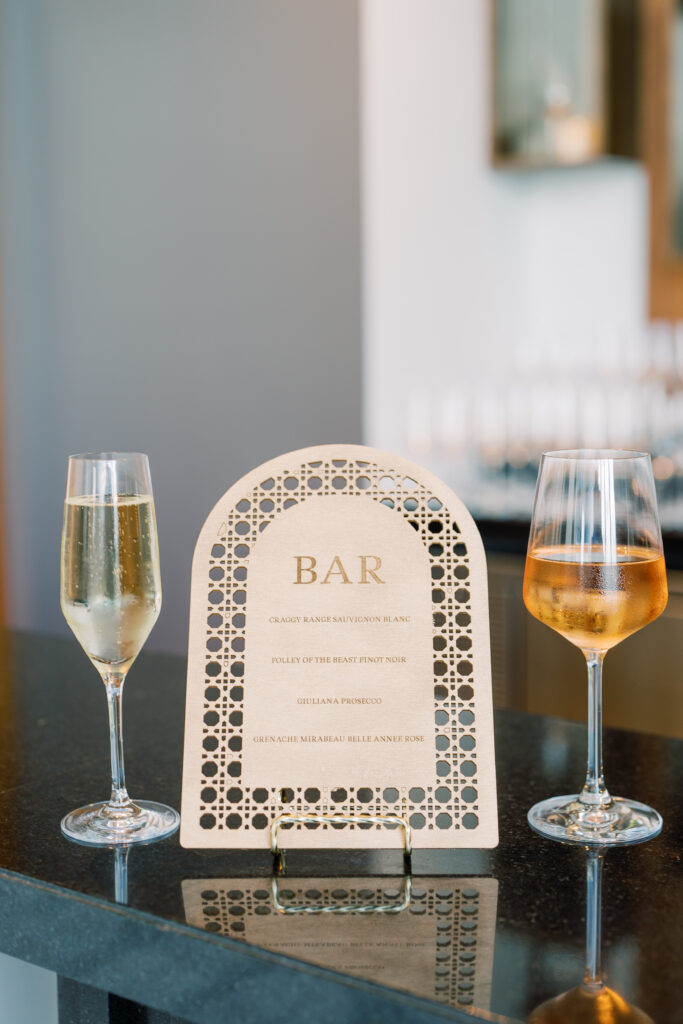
x=106, y=456
x=595, y=455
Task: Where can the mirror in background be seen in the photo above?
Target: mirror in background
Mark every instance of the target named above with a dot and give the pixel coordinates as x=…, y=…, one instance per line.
x=580, y=82
x=662, y=150
x=549, y=82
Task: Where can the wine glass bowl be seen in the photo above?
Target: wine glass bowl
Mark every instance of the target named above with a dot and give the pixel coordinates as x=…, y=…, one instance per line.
x=595, y=604
x=595, y=573
x=111, y=598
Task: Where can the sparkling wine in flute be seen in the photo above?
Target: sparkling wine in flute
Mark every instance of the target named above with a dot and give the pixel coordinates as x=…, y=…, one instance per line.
x=595, y=573
x=595, y=604
x=111, y=593
x=111, y=596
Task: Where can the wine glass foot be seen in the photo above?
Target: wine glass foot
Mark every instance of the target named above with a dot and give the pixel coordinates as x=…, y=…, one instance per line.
x=569, y=820
x=97, y=825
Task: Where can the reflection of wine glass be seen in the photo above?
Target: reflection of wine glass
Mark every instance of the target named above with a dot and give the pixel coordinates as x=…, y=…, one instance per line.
x=595, y=573
x=592, y=1002
x=111, y=596
x=121, y=873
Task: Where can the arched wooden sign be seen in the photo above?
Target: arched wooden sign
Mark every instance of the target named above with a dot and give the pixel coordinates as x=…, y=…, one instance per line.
x=339, y=659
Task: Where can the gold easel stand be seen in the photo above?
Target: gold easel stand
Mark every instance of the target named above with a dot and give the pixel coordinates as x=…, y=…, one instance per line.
x=390, y=820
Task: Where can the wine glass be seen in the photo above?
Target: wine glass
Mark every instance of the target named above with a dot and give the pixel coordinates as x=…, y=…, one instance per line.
x=593, y=1002
x=595, y=573
x=111, y=597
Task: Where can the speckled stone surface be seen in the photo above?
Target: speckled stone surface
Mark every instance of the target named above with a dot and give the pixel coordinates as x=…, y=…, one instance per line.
x=57, y=904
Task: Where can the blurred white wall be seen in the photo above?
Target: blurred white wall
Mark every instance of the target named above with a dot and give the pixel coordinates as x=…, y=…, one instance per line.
x=471, y=272
x=180, y=239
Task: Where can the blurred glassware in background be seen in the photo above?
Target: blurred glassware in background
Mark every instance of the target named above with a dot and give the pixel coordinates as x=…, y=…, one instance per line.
x=485, y=434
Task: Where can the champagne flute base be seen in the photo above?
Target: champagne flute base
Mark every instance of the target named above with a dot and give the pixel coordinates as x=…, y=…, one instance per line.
x=619, y=823
x=100, y=825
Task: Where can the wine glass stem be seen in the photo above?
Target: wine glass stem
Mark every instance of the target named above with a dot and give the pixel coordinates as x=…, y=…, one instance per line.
x=119, y=796
x=594, y=790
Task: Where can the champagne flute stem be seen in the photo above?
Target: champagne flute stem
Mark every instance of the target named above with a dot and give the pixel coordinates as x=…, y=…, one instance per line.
x=594, y=790
x=593, y=918
x=119, y=796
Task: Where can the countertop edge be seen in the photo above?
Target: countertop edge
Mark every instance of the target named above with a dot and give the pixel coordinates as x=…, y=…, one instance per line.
x=131, y=953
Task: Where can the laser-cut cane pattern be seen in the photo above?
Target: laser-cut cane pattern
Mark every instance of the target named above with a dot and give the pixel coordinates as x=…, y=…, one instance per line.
x=452, y=802
x=455, y=910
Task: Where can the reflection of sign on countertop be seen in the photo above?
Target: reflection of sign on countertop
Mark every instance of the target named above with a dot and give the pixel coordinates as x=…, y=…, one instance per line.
x=339, y=658
x=439, y=946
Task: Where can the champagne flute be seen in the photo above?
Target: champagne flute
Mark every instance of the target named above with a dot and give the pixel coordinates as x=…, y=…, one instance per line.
x=595, y=573
x=111, y=597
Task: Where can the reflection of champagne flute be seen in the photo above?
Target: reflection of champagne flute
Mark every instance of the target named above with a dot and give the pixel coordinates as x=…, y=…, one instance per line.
x=111, y=596
x=592, y=1002
x=595, y=573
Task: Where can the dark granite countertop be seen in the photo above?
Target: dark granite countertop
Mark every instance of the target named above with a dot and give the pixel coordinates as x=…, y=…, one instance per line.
x=486, y=933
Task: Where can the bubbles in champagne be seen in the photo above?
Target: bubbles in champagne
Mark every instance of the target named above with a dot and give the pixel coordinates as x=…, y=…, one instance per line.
x=111, y=588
